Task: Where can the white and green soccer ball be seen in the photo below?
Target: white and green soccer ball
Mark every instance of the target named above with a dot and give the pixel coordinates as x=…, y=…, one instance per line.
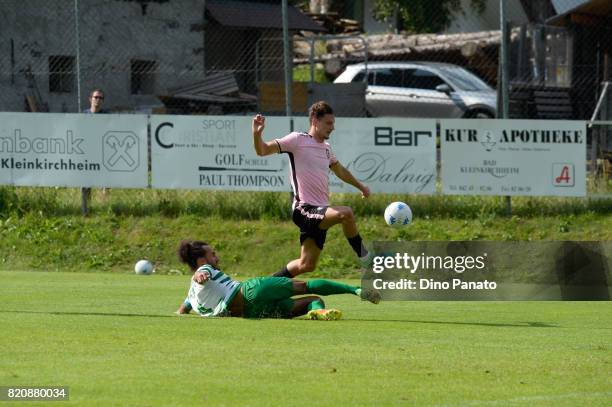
x=144, y=267
x=398, y=214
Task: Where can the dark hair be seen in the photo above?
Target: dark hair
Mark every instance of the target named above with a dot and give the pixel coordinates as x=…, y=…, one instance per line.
x=189, y=251
x=96, y=90
x=319, y=109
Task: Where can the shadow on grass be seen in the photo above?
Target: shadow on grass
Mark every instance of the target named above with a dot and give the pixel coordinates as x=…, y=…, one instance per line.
x=526, y=324
x=102, y=314
x=492, y=324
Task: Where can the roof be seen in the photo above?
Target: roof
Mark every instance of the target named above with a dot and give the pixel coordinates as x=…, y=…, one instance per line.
x=401, y=64
x=596, y=8
x=216, y=83
x=216, y=87
x=258, y=15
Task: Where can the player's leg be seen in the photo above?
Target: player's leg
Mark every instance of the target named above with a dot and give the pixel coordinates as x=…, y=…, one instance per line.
x=322, y=287
x=267, y=297
x=309, y=257
x=307, y=262
x=328, y=287
x=271, y=289
x=314, y=308
x=302, y=306
x=271, y=297
x=344, y=215
x=312, y=239
x=340, y=214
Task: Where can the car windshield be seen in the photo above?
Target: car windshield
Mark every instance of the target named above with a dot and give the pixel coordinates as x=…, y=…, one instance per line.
x=463, y=79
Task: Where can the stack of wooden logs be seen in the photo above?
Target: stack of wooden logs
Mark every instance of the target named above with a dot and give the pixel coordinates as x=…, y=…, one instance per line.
x=477, y=50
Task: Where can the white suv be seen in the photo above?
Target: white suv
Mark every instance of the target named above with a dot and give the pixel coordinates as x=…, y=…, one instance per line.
x=422, y=89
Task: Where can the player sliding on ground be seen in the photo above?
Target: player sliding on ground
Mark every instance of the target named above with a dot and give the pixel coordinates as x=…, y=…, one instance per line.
x=311, y=159
x=215, y=294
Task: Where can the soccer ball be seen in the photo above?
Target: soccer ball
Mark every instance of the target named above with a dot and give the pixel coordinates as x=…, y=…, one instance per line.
x=398, y=214
x=143, y=267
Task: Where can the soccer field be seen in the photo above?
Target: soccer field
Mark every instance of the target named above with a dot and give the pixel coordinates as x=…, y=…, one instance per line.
x=113, y=340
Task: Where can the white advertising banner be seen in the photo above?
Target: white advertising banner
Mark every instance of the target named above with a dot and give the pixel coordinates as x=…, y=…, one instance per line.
x=390, y=155
x=215, y=152
x=513, y=157
x=76, y=150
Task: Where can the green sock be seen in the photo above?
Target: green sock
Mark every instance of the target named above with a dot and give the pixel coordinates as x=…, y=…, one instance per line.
x=327, y=287
x=316, y=304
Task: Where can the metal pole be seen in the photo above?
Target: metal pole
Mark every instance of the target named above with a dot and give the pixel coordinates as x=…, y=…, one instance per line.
x=288, y=59
x=503, y=61
x=85, y=192
x=604, y=92
x=204, y=38
x=78, y=53
x=595, y=133
x=312, y=56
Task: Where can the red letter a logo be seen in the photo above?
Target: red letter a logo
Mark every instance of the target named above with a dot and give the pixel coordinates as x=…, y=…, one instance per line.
x=564, y=177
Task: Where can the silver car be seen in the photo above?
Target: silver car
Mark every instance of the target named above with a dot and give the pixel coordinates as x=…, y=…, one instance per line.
x=422, y=89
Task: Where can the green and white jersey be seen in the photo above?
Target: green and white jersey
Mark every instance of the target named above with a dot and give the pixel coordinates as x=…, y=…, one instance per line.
x=212, y=298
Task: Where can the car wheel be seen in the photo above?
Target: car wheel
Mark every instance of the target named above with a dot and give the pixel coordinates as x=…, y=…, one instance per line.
x=479, y=114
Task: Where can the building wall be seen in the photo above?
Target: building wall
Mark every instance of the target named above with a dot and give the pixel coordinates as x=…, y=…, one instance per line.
x=112, y=33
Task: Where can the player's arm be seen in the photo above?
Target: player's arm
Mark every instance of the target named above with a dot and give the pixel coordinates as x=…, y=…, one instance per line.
x=185, y=307
x=261, y=147
x=201, y=277
x=346, y=176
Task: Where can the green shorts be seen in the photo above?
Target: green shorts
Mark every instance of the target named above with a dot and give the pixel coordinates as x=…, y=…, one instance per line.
x=268, y=297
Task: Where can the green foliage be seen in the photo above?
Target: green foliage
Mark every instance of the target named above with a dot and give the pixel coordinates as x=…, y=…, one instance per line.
x=301, y=73
x=423, y=16
x=19, y=201
x=8, y=200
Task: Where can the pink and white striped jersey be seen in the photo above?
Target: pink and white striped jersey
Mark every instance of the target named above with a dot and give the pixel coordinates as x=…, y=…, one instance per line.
x=309, y=167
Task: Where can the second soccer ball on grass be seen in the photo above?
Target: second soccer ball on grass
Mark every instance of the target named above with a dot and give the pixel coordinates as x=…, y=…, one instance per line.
x=143, y=267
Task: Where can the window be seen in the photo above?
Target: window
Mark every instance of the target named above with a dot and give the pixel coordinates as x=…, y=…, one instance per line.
x=464, y=79
x=360, y=75
x=421, y=79
x=558, y=59
x=389, y=77
x=61, y=73
x=143, y=77
x=543, y=55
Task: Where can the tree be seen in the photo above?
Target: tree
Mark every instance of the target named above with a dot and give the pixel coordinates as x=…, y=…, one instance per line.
x=423, y=16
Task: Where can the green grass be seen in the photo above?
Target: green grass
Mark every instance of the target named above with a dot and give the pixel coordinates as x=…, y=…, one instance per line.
x=114, y=340
x=42, y=228
x=250, y=247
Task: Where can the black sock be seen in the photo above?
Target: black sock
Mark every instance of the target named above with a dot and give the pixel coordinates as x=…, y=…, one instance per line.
x=357, y=245
x=284, y=272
